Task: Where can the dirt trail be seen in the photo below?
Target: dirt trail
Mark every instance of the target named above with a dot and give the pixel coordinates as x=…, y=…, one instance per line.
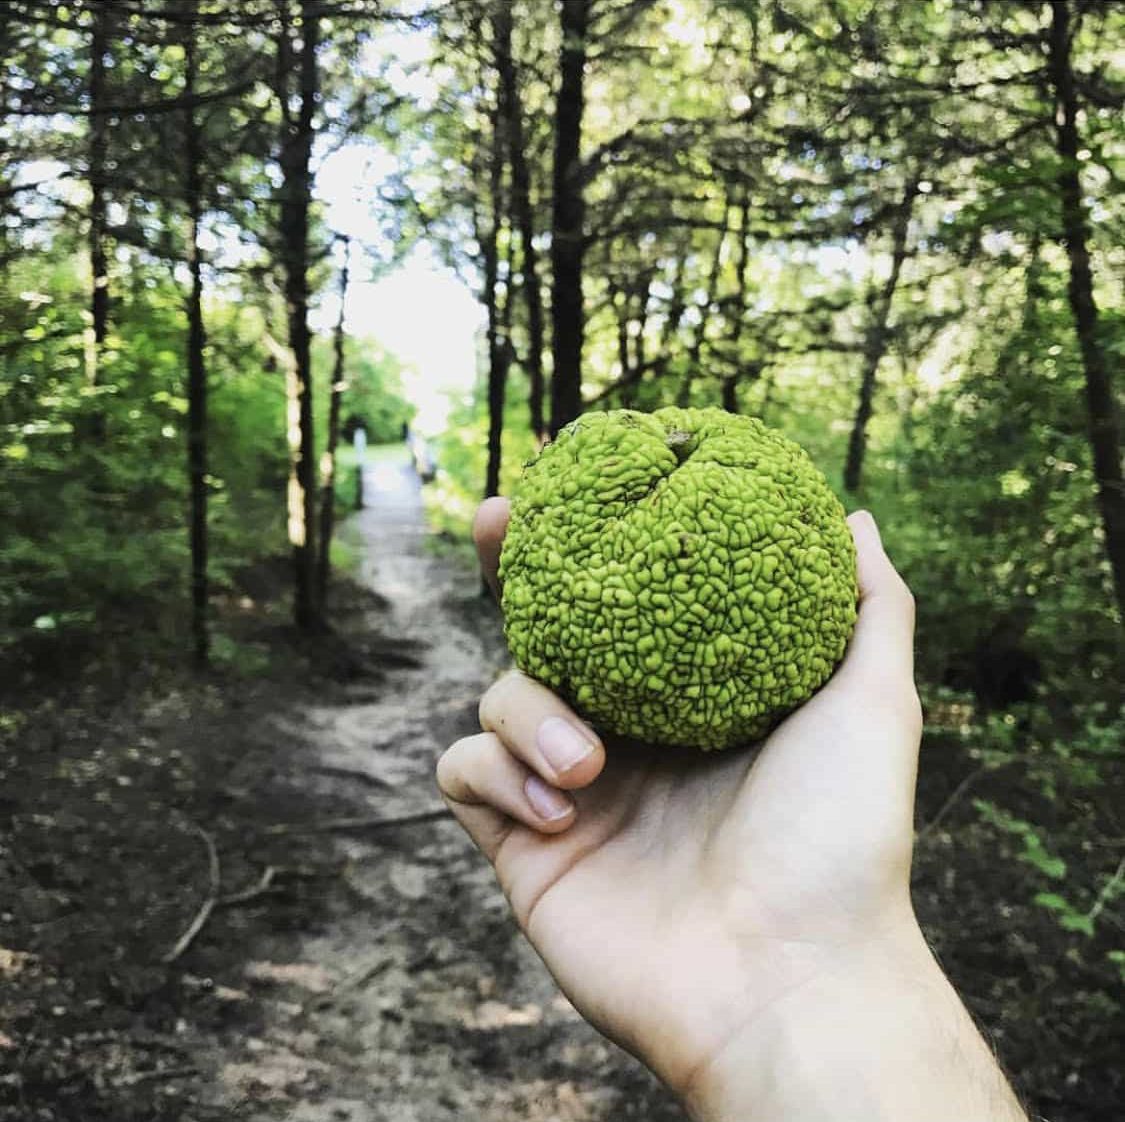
x=416, y=999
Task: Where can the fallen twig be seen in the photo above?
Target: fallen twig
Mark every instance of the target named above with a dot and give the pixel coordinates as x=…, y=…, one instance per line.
x=1107, y=893
x=353, y=982
x=251, y=893
x=208, y=905
x=354, y=773
x=136, y=1077
x=958, y=791
x=329, y=825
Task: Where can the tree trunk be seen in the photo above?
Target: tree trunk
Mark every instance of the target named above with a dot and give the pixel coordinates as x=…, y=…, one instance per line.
x=567, y=219
x=640, y=358
x=512, y=109
x=673, y=317
x=875, y=345
x=99, y=219
x=738, y=317
x=1105, y=438
x=498, y=350
x=730, y=393
x=618, y=300
x=197, y=372
x=328, y=464
x=296, y=151
x=696, y=350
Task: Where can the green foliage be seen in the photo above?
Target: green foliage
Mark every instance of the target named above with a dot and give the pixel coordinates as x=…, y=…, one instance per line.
x=95, y=477
x=373, y=396
x=1034, y=851
x=462, y=456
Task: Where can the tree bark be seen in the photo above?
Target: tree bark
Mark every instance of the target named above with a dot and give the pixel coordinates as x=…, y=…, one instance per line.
x=197, y=371
x=619, y=301
x=875, y=344
x=99, y=219
x=729, y=391
x=568, y=219
x=512, y=109
x=328, y=463
x=498, y=350
x=695, y=352
x=1105, y=436
x=296, y=189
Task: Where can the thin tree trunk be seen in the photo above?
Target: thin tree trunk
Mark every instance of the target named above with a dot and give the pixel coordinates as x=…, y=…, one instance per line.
x=328, y=463
x=1105, y=437
x=512, y=108
x=673, y=318
x=738, y=318
x=296, y=151
x=498, y=351
x=99, y=219
x=696, y=349
x=640, y=359
x=730, y=393
x=568, y=218
x=197, y=372
x=767, y=392
x=619, y=302
x=875, y=345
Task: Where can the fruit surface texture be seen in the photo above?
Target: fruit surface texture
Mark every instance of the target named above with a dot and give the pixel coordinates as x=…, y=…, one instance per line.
x=681, y=577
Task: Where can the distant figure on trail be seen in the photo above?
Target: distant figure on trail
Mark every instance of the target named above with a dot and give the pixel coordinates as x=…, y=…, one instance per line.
x=421, y=454
x=359, y=443
x=741, y=923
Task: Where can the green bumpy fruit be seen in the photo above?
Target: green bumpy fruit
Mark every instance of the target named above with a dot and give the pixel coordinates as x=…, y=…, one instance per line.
x=681, y=577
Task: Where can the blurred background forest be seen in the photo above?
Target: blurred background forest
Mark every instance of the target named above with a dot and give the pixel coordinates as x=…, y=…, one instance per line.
x=893, y=230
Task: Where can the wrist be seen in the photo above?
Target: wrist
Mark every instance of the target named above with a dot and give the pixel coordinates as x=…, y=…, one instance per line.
x=877, y=1033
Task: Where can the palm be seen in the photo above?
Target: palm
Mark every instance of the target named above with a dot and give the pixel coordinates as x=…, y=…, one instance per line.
x=675, y=862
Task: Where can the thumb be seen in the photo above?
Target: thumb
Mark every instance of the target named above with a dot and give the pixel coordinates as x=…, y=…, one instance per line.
x=489, y=527
x=880, y=658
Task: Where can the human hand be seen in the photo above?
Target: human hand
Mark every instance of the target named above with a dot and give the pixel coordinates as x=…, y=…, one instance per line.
x=683, y=902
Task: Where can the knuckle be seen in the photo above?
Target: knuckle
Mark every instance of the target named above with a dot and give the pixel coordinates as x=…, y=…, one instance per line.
x=442, y=773
x=462, y=767
x=493, y=705
x=453, y=762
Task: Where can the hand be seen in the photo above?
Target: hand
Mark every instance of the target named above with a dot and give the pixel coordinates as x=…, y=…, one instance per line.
x=682, y=900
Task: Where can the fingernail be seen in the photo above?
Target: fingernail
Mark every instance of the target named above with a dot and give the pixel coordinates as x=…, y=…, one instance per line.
x=562, y=745
x=548, y=803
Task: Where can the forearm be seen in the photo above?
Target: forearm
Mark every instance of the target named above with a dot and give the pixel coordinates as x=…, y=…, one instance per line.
x=887, y=1038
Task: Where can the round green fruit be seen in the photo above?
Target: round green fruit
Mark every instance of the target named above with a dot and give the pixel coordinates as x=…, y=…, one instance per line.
x=681, y=577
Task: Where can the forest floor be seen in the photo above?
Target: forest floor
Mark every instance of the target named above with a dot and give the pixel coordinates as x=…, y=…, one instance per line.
x=347, y=972
x=351, y=958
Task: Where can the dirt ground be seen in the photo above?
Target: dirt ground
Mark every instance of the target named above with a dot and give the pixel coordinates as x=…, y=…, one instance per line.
x=348, y=972
x=238, y=897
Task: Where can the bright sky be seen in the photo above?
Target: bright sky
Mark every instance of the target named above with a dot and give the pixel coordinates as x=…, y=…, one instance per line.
x=422, y=311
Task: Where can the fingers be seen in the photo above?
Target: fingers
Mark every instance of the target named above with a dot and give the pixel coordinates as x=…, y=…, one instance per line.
x=533, y=750
x=539, y=729
x=488, y=789
x=880, y=657
x=489, y=525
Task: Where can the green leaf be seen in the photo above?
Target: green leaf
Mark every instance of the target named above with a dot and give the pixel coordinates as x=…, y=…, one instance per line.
x=1078, y=922
x=1053, y=901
